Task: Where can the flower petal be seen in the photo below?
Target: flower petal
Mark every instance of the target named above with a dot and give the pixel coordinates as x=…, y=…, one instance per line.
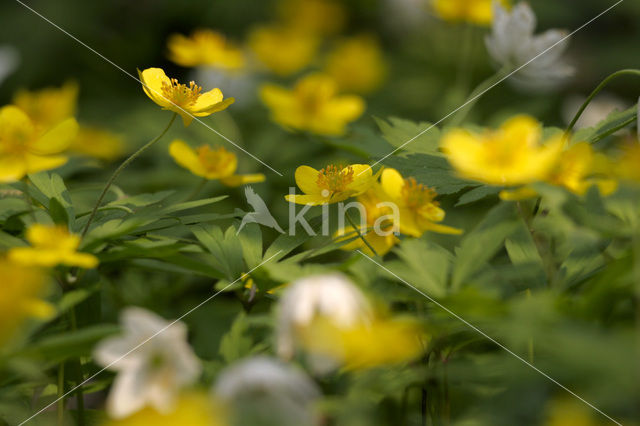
x=214, y=108
x=186, y=157
x=207, y=99
x=37, y=163
x=12, y=168
x=392, y=183
x=307, y=180
x=57, y=139
x=309, y=200
x=239, y=180
x=152, y=80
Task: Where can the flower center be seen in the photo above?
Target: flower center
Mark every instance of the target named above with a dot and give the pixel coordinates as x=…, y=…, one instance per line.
x=417, y=195
x=214, y=160
x=181, y=94
x=333, y=179
x=15, y=141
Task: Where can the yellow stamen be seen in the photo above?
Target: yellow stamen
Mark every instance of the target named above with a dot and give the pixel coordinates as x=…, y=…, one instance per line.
x=214, y=160
x=417, y=194
x=181, y=94
x=334, y=179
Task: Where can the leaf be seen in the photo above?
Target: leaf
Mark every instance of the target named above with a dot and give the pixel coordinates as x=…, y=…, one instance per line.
x=430, y=170
x=251, y=241
x=481, y=244
x=12, y=206
x=522, y=251
x=236, y=343
x=477, y=194
x=225, y=248
x=286, y=243
x=191, y=204
x=70, y=344
x=53, y=187
x=606, y=126
x=424, y=265
x=403, y=134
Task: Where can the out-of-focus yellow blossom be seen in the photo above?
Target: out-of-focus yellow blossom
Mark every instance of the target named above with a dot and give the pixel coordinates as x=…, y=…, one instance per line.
x=211, y=163
x=474, y=11
x=24, y=149
x=627, y=167
x=193, y=409
x=282, y=50
x=357, y=65
x=365, y=344
x=20, y=298
x=322, y=17
x=98, y=143
x=52, y=245
x=377, y=229
x=512, y=155
x=331, y=184
x=566, y=412
x=205, y=47
x=188, y=101
x=313, y=105
x=50, y=106
x=417, y=208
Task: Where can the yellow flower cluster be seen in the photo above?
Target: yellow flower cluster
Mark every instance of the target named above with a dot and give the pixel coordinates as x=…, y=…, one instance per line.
x=478, y=12
x=415, y=204
x=515, y=155
x=205, y=47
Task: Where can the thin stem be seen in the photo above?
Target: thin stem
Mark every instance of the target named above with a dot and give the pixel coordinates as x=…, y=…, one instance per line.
x=197, y=190
x=27, y=198
x=615, y=129
x=459, y=117
x=60, y=405
x=357, y=229
x=595, y=92
x=530, y=351
x=79, y=392
x=122, y=166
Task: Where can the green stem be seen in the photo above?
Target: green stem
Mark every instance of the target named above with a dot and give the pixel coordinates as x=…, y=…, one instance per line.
x=197, y=190
x=27, y=198
x=122, y=166
x=593, y=94
x=79, y=392
x=60, y=405
x=477, y=93
x=530, y=343
x=357, y=229
x=614, y=129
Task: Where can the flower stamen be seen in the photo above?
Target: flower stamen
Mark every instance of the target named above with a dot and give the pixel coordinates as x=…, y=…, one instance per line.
x=181, y=94
x=333, y=179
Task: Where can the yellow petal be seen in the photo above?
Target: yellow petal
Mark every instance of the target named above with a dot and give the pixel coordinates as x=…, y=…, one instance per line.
x=444, y=229
x=38, y=309
x=207, y=99
x=214, y=108
x=276, y=96
x=57, y=139
x=187, y=118
x=307, y=180
x=12, y=168
x=33, y=256
x=523, y=193
x=346, y=108
x=152, y=80
x=523, y=128
x=309, y=200
x=392, y=183
x=238, y=180
x=186, y=157
x=15, y=125
x=82, y=260
x=37, y=163
x=362, y=178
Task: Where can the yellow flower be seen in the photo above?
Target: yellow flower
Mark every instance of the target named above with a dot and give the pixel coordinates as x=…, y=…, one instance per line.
x=52, y=245
x=282, y=50
x=20, y=298
x=357, y=65
x=365, y=344
x=24, y=150
x=211, y=163
x=474, y=11
x=98, y=143
x=188, y=101
x=312, y=105
x=322, y=17
x=628, y=165
x=378, y=229
x=509, y=156
x=331, y=184
x=569, y=412
x=50, y=106
x=193, y=409
x=205, y=47
x=418, y=211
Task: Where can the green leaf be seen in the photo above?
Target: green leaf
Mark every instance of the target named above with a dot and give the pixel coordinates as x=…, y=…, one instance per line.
x=606, y=126
x=481, y=244
x=236, y=343
x=430, y=170
x=225, y=248
x=522, y=251
x=70, y=344
x=53, y=187
x=477, y=194
x=251, y=242
x=403, y=134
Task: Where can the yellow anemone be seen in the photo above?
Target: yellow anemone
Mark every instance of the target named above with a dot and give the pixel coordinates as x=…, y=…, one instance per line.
x=331, y=184
x=512, y=155
x=313, y=105
x=211, y=163
x=50, y=106
x=24, y=150
x=365, y=344
x=52, y=245
x=192, y=408
x=321, y=17
x=628, y=165
x=357, y=65
x=417, y=209
x=478, y=12
x=377, y=229
x=98, y=143
x=21, y=297
x=188, y=101
x=205, y=47
x=282, y=50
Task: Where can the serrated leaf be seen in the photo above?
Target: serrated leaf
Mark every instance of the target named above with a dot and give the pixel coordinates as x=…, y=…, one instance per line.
x=236, y=343
x=522, y=251
x=477, y=194
x=606, y=126
x=52, y=186
x=225, y=248
x=410, y=136
x=251, y=241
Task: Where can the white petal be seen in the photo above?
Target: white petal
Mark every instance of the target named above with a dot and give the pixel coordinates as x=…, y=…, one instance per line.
x=128, y=393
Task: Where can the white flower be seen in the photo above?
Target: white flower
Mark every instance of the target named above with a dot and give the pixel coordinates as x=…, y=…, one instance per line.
x=513, y=44
x=283, y=393
x=152, y=373
x=8, y=61
x=332, y=296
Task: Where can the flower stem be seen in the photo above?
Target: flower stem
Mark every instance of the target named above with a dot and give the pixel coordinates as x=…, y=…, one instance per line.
x=197, y=190
x=595, y=92
x=27, y=198
x=357, y=229
x=122, y=166
x=79, y=392
x=60, y=392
